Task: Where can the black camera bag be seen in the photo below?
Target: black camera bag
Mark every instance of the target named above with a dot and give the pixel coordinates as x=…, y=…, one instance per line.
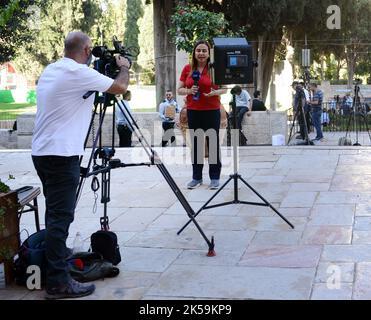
x=105, y=243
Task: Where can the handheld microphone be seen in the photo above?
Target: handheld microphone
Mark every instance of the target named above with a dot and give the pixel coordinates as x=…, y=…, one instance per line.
x=196, y=77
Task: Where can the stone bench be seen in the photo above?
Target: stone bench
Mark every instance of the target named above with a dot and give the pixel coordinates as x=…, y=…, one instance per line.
x=258, y=128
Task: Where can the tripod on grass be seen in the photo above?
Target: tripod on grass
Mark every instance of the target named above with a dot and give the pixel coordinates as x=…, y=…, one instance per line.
x=107, y=163
x=235, y=177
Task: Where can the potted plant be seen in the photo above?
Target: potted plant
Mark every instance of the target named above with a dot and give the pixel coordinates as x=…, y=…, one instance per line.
x=9, y=227
x=4, y=188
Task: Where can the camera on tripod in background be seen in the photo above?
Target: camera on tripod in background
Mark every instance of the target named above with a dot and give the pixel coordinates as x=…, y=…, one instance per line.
x=300, y=91
x=106, y=64
x=357, y=82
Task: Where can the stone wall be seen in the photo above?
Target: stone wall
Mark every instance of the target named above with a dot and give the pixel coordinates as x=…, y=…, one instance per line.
x=8, y=139
x=259, y=128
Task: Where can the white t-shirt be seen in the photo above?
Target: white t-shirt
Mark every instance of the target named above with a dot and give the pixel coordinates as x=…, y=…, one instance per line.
x=63, y=115
x=243, y=99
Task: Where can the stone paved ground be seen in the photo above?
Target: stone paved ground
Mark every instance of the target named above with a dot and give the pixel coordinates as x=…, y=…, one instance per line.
x=324, y=191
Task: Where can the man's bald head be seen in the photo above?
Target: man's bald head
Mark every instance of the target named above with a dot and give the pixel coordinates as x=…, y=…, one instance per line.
x=76, y=42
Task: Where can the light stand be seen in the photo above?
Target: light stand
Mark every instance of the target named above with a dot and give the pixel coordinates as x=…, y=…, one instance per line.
x=235, y=177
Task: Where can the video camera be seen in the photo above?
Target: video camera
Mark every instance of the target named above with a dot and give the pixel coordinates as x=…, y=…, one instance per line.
x=106, y=64
x=231, y=61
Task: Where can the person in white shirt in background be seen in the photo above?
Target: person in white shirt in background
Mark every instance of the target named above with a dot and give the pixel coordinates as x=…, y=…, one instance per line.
x=167, y=110
x=61, y=125
x=243, y=105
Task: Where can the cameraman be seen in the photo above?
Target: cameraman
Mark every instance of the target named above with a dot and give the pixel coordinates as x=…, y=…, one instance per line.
x=302, y=109
x=61, y=125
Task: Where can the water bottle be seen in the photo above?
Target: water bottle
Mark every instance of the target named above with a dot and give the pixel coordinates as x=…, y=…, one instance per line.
x=78, y=243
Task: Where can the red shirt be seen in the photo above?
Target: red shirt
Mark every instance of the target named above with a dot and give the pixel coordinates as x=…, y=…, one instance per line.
x=205, y=84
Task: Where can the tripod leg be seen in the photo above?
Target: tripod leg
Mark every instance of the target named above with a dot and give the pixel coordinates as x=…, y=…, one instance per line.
x=266, y=202
x=306, y=127
x=367, y=128
x=348, y=125
x=205, y=205
x=186, y=206
x=292, y=127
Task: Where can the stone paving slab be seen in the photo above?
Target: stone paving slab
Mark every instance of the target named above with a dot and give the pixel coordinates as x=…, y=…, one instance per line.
x=284, y=238
x=197, y=257
x=326, y=270
x=363, y=210
x=362, y=286
x=362, y=224
x=299, y=200
x=327, y=235
x=322, y=291
x=234, y=282
x=339, y=215
x=281, y=256
x=149, y=259
x=361, y=237
x=346, y=253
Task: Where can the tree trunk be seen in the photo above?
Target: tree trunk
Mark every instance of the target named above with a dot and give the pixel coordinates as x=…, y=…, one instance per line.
x=338, y=68
x=260, y=64
x=351, y=63
x=267, y=49
x=322, y=58
x=164, y=49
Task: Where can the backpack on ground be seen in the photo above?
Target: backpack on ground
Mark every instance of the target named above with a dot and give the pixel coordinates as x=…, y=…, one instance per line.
x=31, y=252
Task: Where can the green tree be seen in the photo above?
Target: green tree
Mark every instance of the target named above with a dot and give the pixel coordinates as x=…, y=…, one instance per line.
x=57, y=19
x=146, y=44
x=133, y=13
x=191, y=23
x=14, y=26
x=356, y=33
x=112, y=22
x=264, y=22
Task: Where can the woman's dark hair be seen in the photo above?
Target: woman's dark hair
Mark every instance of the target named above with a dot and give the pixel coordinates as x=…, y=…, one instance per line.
x=256, y=94
x=194, y=64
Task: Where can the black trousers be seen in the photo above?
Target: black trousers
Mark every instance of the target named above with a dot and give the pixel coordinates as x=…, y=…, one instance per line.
x=240, y=112
x=59, y=177
x=169, y=133
x=302, y=122
x=124, y=136
x=205, y=124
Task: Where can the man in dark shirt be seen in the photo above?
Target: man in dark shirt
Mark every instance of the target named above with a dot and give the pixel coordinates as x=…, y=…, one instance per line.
x=257, y=103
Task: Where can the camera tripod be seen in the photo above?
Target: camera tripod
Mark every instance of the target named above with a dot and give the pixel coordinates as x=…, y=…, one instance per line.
x=300, y=114
x=357, y=110
x=235, y=177
x=106, y=155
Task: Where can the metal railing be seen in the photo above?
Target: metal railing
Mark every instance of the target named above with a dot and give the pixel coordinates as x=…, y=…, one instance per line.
x=340, y=119
x=7, y=120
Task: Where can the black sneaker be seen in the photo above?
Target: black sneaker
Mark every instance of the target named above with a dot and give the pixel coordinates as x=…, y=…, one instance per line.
x=72, y=289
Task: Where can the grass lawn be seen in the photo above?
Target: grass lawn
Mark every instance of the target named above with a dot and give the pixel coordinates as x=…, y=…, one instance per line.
x=9, y=111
